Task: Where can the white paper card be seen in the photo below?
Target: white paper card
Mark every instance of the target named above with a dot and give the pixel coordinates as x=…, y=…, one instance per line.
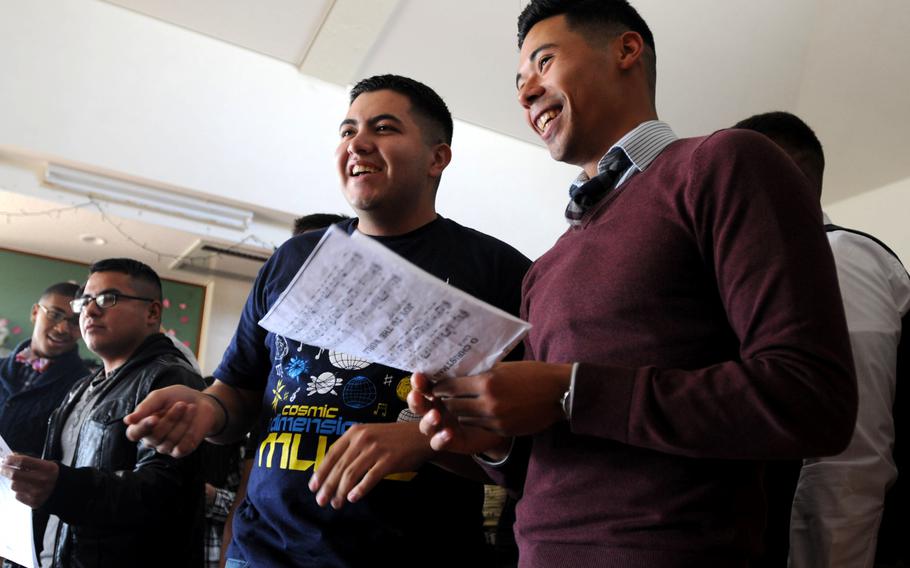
x=354, y=296
x=16, y=539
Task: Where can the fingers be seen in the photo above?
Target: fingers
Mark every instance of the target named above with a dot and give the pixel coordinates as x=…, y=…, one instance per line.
x=421, y=383
x=180, y=426
x=158, y=428
x=327, y=469
x=32, y=479
x=418, y=403
x=155, y=403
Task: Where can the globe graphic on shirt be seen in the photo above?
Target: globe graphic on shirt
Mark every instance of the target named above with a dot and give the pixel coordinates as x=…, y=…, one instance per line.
x=359, y=392
x=347, y=362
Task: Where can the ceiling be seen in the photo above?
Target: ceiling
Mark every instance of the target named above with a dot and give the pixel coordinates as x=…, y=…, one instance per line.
x=837, y=63
x=840, y=64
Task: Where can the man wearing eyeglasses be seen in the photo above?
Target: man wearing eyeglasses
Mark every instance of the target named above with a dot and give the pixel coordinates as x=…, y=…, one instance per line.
x=40, y=371
x=105, y=498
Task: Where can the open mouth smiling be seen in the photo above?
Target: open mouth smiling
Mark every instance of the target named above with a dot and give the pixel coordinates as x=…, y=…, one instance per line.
x=361, y=169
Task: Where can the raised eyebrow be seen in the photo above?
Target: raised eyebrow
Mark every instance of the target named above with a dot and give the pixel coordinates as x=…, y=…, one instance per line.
x=533, y=57
x=347, y=121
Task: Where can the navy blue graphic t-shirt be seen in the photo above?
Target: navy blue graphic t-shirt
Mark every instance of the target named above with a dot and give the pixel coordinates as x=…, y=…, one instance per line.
x=312, y=396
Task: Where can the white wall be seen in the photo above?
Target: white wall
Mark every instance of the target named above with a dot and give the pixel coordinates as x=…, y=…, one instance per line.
x=224, y=301
x=97, y=84
x=884, y=213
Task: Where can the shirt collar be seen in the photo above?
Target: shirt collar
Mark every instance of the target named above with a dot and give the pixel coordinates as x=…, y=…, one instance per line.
x=642, y=145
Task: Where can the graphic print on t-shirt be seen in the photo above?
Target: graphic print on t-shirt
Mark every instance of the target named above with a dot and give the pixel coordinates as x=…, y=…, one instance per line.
x=316, y=395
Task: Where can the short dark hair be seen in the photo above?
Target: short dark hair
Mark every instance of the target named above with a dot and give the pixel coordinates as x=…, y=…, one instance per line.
x=315, y=221
x=132, y=268
x=424, y=101
x=793, y=135
x=593, y=19
x=66, y=289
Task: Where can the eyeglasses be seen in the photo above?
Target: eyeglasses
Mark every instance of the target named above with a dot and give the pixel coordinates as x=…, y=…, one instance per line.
x=56, y=316
x=103, y=301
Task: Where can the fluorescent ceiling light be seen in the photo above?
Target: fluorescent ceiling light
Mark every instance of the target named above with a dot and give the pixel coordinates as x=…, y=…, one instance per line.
x=147, y=197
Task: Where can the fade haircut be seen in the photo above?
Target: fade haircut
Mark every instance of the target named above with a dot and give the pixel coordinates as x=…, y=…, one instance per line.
x=65, y=289
x=136, y=270
x=794, y=137
x=425, y=103
x=315, y=221
x=598, y=21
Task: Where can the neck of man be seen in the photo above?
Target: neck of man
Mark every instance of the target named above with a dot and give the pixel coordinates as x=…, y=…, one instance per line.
x=395, y=223
x=113, y=361
x=615, y=134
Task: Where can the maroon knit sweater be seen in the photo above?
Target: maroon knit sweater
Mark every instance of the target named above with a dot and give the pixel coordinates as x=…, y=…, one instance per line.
x=701, y=300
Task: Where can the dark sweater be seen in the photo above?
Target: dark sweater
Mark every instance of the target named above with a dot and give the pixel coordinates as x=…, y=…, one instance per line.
x=702, y=302
x=24, y=411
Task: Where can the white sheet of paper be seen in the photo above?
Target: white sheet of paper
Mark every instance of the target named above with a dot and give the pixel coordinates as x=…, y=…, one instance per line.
x=16, y=542
x=354, y=296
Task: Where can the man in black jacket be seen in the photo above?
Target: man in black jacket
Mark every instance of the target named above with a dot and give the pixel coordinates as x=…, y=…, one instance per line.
x=109, y=501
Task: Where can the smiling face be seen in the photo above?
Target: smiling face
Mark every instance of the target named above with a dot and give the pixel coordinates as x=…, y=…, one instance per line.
x=578, y=97
x=388, y=169
x=50, y=339
x=114, y=333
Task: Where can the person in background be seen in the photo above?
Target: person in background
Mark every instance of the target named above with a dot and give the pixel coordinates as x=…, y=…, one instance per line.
x=338, y=424
x=316, y=221
x=108, y=498
x=39, y=372
x=839, y=500
x=686, y=327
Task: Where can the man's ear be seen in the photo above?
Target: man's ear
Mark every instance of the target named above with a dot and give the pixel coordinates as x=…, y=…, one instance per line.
x=442, y=155
x=154, y=314
x=34, y=315
x=630, y=46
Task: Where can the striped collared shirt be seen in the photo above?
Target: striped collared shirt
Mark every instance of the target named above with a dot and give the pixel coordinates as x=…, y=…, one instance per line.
x=642, y=145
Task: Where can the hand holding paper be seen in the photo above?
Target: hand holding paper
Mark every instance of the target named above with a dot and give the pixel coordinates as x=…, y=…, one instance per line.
x=16, y=542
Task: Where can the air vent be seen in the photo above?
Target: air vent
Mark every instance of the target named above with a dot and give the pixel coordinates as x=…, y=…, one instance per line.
x=239, y=261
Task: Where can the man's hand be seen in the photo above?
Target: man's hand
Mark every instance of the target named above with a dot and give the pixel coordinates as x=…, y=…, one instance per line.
x=33, y=479
x=174, y=420
x=365, y=454
x=443, y=428
x=511, y=399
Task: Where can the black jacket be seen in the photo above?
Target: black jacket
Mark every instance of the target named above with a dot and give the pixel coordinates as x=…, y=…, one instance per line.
x=120, y=503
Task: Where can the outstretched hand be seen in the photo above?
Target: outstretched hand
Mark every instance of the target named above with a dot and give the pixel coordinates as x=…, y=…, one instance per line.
x=173, y=420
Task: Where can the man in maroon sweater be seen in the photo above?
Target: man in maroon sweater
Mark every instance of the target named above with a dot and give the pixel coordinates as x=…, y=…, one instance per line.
x=687, y=326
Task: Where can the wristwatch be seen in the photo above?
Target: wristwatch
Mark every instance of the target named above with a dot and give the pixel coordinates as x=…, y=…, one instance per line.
x=566, y=403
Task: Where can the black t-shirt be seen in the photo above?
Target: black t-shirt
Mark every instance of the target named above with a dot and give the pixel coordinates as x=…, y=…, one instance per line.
x=312, y=396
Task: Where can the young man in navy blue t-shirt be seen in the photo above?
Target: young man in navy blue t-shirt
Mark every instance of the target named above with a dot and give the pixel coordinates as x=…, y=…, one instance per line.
x=342, y=474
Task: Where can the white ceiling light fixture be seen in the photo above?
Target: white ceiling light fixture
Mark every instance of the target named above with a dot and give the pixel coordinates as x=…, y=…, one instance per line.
x=151, y=198
x=93, y=240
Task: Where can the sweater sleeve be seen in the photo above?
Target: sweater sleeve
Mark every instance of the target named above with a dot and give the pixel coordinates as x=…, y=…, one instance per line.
x=791, y=392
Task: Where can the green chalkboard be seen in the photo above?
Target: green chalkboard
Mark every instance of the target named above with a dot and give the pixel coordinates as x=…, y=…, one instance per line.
x=24, y=276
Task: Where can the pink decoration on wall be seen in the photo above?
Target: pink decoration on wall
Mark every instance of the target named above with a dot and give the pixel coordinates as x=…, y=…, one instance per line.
x=16, y=330
x=184, y=319
x=187, y=343
x=166, y=303
x=182, y=306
